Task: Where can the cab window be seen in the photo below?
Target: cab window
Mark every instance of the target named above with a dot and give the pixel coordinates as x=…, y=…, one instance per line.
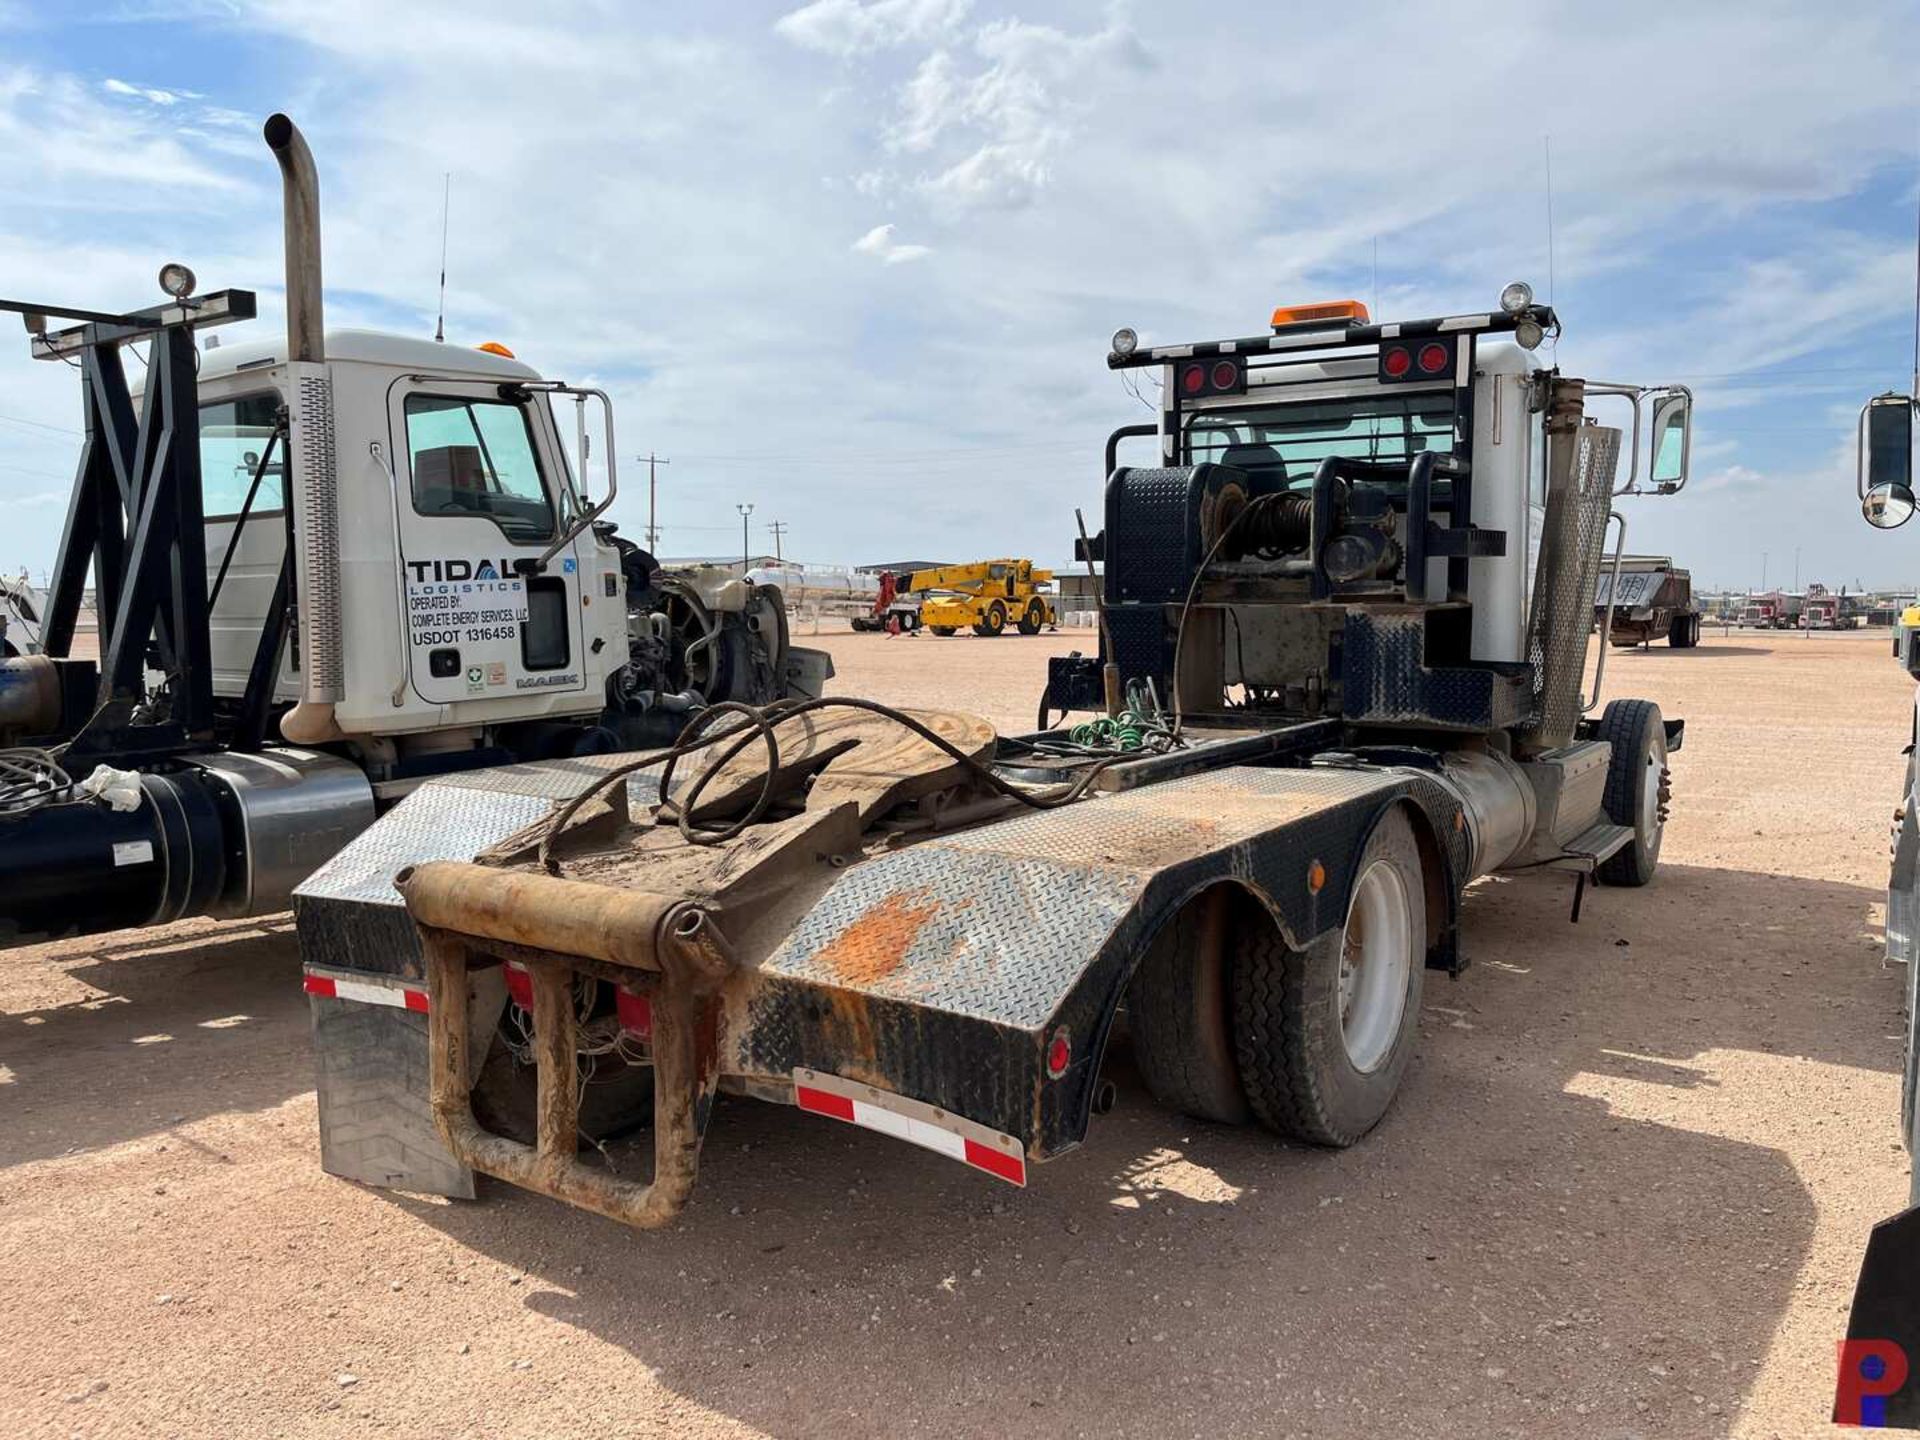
x=233, y=440
x=1283, y=444
x=472, y=456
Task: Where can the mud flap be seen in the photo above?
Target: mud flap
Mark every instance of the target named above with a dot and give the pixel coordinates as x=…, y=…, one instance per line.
x=371, y=1071
x=1879, y=1380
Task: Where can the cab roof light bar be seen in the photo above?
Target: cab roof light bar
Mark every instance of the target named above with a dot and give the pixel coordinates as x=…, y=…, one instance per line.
x=1337, y=333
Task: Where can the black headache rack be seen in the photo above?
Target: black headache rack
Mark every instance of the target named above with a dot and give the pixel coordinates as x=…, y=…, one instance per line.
x=1400, y=659
x=135, y=522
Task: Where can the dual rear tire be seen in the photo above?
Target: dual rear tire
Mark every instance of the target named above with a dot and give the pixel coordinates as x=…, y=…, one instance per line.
x=1230, y=1022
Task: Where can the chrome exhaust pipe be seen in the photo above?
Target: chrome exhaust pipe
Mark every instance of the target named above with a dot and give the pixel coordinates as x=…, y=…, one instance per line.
x=313, y=480
x=300, y=192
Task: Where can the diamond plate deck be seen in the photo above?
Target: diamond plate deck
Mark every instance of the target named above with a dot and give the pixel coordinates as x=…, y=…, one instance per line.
x=348, y=913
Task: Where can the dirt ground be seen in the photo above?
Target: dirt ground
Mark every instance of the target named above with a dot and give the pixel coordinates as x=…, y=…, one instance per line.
x=1623, y=1192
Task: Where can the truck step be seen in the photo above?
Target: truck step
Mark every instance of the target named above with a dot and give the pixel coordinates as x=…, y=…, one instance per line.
x=1587, y=850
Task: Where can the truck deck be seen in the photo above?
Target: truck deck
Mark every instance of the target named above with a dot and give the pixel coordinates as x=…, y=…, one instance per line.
x=948, y=971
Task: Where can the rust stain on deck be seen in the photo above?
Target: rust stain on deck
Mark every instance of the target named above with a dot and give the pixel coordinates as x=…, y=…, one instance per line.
x=873, y=947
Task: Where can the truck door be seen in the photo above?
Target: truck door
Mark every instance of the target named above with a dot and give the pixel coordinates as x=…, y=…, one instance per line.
x=481, y=493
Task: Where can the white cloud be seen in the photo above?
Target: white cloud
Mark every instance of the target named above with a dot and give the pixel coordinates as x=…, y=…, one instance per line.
x=151, y=95
x=1009, y=118
x=856, y=27
x=56, y=131
x=879, y=242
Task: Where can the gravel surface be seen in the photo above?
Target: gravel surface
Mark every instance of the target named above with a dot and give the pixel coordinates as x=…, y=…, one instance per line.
x=1623, y=1193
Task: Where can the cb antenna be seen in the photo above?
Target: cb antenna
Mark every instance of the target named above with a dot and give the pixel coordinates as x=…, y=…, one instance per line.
x=1548, y=142
x=446, y=206
x=1915, y=392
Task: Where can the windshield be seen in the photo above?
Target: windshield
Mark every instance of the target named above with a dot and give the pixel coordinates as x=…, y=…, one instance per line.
x=1287, y=442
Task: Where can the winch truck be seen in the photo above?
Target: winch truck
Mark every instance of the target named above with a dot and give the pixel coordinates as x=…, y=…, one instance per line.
x=1345, y=686
x=324, y=571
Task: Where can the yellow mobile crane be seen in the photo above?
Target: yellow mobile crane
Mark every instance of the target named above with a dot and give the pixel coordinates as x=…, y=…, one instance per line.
x=986, y=595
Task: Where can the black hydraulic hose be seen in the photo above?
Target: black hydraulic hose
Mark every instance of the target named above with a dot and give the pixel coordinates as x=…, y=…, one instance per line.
x=761, y=722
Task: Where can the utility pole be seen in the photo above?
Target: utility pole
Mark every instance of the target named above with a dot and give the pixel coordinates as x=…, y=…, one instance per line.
x=779, y=528
x=745, y=556
x=653, y=530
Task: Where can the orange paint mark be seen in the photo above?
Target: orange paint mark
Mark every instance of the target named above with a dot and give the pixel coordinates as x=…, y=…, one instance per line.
x=873, y=947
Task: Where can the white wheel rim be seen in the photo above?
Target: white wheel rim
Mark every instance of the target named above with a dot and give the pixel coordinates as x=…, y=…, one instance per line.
x=1376, y=963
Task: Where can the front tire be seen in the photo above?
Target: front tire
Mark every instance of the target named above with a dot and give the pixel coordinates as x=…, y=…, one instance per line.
x=1638, y=788
x=1032, y=618
x=994, y=621
x=944, y=631
x=1324, y=1034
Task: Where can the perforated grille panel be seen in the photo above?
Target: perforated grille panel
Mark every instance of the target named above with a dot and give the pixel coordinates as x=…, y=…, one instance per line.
x=316, y=519
x=1572, y=539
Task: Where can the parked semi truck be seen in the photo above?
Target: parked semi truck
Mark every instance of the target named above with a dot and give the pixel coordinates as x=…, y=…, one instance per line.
x=1879, y=1379
x=1345, y=687
x=1824, y=610
x=1648, y=598
x=326, y=569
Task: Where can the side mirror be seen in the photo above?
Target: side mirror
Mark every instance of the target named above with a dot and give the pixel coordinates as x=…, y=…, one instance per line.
x=1888, y=505
x=1672, y=441
x=1886, y=444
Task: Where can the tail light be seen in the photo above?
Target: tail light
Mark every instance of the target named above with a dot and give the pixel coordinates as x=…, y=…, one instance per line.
x=1224, y=376
x=635, y=1012
x=1059, y=1053
x=1417, y=360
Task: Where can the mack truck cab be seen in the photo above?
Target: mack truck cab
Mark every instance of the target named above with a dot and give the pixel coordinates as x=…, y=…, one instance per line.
x=325, y=568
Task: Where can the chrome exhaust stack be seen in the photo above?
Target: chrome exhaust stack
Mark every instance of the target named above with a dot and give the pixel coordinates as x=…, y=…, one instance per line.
x=314, y=479
x=300, y=197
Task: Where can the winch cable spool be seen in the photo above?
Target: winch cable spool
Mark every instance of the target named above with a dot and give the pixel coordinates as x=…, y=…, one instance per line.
x=1255, y=507
x=760, y=723
x=1280, y=528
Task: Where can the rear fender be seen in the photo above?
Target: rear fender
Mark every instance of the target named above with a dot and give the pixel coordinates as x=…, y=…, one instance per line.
x=943, y=972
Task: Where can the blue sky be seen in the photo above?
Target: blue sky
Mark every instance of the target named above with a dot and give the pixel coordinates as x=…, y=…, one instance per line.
x=856, y=261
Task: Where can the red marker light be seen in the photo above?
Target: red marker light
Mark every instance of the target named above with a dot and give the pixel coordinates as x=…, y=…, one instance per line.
x=1433, y=357
x=1059, y=1054
x=1226, y=375
x=1396, y=362
x=1193, y=379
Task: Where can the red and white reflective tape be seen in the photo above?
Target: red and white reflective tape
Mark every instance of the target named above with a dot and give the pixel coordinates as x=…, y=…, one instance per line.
x=367, y=989
x=914, y=1121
